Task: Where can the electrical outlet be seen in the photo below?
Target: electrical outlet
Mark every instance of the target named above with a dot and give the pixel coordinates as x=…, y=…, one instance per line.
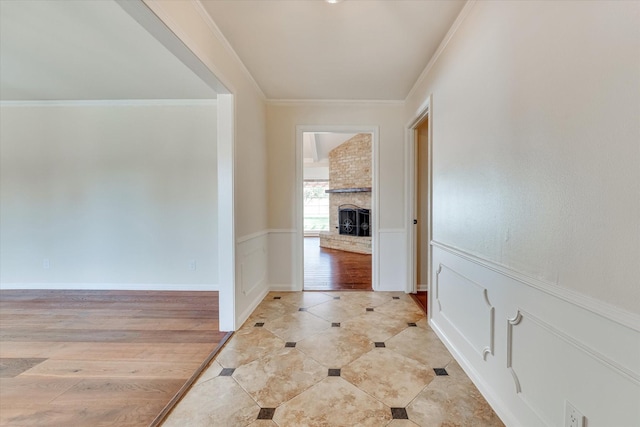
x=46, y=264
x=192, y=265
x=572, y=417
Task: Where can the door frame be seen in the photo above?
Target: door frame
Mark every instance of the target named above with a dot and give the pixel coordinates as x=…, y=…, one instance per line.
x=423, y=113
x=298, y=284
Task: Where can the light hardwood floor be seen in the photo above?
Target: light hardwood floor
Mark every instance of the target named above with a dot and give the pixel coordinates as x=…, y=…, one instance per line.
x=88, y=358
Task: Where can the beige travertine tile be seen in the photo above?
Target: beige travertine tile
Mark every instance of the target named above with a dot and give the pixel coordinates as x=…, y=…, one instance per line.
x=212, y=371
x=452, y=400
x=406, y=311
x=423, y=323
x=388, y=376
x=296, y=326
x=217, y=402
x=267, y=310
x=375, y=326
x=403, y=423
x=335, y=347
x=278, y=377
x=333, y=402
x=337, y=310
x=301, y=299
x=421, y=345
x=263, y=423
x=247, y=345
x=368, y=299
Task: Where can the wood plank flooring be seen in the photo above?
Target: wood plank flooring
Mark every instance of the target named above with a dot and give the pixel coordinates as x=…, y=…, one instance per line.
x=331, y=269
x=100, y=358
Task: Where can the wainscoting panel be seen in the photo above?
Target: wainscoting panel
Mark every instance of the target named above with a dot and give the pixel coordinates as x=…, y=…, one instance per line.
x=465, y=305
x=251, y=274
x=549, y=346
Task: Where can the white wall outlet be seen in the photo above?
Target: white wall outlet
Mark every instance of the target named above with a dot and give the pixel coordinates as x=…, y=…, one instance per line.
x=572, y=417
x=46, y=264
x=192, y=265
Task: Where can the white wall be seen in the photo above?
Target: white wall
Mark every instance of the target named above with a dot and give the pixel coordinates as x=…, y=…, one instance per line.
x=193, y=26
x=282, y=119
x=536, y=185
x=113, y=196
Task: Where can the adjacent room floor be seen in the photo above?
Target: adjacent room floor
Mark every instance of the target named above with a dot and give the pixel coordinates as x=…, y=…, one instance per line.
x=108, y=358
x=331, y=269
x=334, y=359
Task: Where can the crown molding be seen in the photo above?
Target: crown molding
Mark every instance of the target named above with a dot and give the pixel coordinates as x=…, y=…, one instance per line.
x=335, y=102
x=443, y=45
x=112, y=103
x=222, y=39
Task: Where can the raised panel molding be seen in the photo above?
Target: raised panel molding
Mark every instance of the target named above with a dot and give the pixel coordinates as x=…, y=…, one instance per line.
x=538, y=354
x=253, y=270
x=473, y=318
x=548, y=348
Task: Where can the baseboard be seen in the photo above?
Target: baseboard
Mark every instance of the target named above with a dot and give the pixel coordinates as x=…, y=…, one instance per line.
x=112, y=286
x=252, y=306
x=423, y=287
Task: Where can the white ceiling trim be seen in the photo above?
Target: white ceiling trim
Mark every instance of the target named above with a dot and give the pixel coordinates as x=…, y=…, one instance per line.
x=222, y=39
x=112, y=102
x=329, y=102
x=443, y=44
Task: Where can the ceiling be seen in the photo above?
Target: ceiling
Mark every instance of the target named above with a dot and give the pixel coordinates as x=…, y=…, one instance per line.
x=317, y=145
x=86, y=50
x=355, y=49
x=93, y=50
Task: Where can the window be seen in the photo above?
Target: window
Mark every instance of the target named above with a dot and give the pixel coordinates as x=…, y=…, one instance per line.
x=316, y=206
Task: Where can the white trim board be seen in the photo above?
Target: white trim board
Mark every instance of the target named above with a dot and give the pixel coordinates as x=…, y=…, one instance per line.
x=112, y=286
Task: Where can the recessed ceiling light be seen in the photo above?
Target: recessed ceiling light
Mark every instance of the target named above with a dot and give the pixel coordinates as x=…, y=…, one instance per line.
x=333, y=1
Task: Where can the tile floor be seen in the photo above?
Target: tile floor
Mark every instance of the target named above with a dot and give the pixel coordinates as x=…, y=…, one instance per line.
x=334, y=359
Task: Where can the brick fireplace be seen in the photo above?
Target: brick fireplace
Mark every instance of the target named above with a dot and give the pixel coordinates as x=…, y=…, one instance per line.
x=350, y=192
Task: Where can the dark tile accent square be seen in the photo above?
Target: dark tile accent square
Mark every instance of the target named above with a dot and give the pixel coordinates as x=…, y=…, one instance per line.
x=334, y=372
x=266, y=413
x=277, y=297
x=396, y=297
x=227, y=372
x=335, y=325
x=440, y=371
x=411, y=324
x=380, y=344
x=302, y=309
x=369, y=309
x=290, y=344
x=399, y=414
x=336, y=297
x=259, y=325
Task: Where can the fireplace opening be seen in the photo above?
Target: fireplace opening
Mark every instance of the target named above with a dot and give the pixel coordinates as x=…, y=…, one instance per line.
x=353, y=220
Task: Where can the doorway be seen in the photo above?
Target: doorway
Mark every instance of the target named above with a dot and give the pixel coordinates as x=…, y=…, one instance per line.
x=419, y=185
x=335, y=188
x=422, y=211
